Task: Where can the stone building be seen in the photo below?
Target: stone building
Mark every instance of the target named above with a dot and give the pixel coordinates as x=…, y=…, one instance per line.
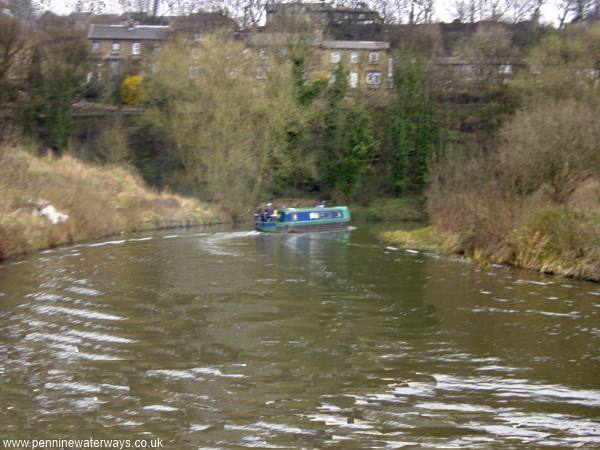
x=320, y=13
x=369, y=63
x=125, y=47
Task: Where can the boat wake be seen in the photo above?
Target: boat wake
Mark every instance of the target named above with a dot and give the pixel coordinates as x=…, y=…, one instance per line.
x=215, y=243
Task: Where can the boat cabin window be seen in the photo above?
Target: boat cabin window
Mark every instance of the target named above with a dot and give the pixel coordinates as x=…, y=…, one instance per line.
x=325, y=215
x=294, y=216
x=313, y=215
x=337, y=214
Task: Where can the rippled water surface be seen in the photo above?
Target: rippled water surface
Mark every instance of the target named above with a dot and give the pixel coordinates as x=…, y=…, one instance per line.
x=239, y=340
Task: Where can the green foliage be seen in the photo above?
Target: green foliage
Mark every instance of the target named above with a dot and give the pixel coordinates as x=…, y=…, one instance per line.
x=307, y=91
x=406, y=209
x=412, y=132
x=356, y=145
x=57, y=67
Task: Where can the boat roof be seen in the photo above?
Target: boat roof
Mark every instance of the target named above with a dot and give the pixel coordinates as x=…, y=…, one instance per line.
x=314, y=208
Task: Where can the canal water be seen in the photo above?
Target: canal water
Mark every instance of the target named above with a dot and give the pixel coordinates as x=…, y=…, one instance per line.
x=232, y=339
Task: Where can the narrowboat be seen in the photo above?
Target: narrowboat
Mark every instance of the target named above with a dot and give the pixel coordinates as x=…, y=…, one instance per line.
x=304, y=220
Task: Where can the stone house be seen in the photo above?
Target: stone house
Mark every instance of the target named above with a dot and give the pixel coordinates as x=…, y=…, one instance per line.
x=369, y=63
x=125, y=47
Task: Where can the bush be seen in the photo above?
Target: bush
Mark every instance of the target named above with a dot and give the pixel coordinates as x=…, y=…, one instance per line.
x=558, y=240
x=112, y=146
x=132, y=89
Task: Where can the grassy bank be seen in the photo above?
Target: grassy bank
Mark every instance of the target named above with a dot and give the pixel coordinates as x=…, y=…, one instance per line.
x=407, y=209
x=99, y=201
x=553, y=240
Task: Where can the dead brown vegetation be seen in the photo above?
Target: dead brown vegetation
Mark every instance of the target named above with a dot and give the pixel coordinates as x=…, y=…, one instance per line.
x=533, y=199
x=99, y=200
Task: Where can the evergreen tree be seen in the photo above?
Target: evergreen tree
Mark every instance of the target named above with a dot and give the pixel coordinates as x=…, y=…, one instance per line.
x=358, y=145
x=333, y=124
x=412, y=129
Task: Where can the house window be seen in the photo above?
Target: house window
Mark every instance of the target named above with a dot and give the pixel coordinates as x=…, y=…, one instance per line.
x=261, y=72
x=154, y=67
x=373, y=78
x=197, y=37
x=96, y=46
x=263, y=53
x=353, y=79
x=195, y=71
x=116, y=48
x=332, y=76
x=136, y=48
x=505, y=69
x=391, y=68
x=354, y=57
x=374, y=57
x=195, y=53
x=335, y=57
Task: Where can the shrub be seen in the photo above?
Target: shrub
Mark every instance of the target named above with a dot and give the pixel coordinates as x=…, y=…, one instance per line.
x=132, y=89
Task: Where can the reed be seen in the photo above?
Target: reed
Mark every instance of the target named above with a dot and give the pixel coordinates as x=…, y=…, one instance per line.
x=99, y=200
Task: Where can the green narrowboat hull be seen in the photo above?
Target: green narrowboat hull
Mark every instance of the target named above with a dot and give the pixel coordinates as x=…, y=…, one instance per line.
x=306, y=220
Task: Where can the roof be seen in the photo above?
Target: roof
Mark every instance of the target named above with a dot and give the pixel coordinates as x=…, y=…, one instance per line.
x=314, y=208
x=278, y=39
x=138, y=32
x=359, y=45
x=105, y=18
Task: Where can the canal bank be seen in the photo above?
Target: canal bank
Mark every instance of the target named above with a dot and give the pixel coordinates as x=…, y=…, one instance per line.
x=47, y=202
x=550, y=240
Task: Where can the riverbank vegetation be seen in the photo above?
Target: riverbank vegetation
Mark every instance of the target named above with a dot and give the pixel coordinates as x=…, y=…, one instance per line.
x=99, y=201
x=532, y=198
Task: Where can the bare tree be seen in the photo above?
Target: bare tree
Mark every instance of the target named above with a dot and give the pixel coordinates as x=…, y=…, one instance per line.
x=525, y=9
x=26, y=9
x=404, y=11
x=464, y=11
x=458, y=11
x=95, y=6
x=494, y=10
x=575, y=10
x=12, y=41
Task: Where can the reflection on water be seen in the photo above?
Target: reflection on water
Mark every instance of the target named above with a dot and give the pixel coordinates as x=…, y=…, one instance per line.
x=332, y=340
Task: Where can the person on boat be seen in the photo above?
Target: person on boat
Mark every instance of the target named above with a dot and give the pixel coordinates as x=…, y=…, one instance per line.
x=266, y=213
x=321, y=204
